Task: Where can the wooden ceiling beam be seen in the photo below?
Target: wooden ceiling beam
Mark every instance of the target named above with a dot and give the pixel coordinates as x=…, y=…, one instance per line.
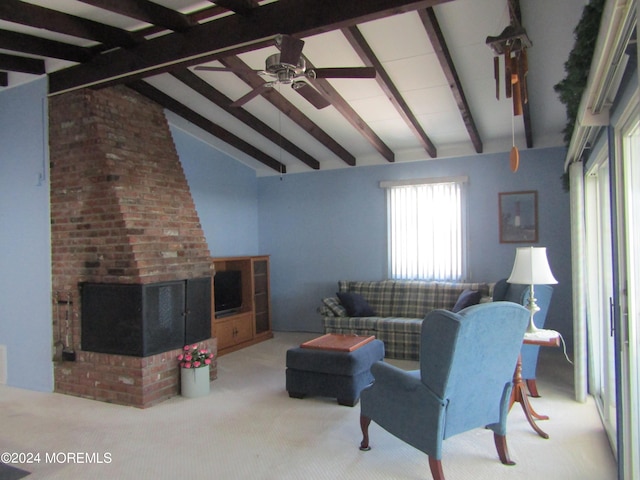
x=242, y=7
x=146, y=11
x=52, y=20
x=364, y=50
x=228, y=35
x=14, y=63
x=200, y=86
x=21, y=42
x=205, y=124
x=342, y=106
x=244, y=72
x=439, y=44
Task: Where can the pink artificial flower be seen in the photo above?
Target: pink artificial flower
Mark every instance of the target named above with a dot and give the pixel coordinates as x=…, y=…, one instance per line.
x=180, y=357
x=203, y=350
x=188, y=358
x=207, y=361
x=187, y=365
x=196, y=364
x=186, y=348
x=194, y=346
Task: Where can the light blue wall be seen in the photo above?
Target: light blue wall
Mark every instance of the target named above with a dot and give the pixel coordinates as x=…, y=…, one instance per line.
x=25, y=261
x=320, y=227
x=224, y=192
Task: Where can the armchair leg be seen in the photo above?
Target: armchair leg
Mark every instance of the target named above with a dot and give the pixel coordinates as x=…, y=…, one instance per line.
x=364, y=426
x=436, y=468
x=503, y=451
x=532, y=387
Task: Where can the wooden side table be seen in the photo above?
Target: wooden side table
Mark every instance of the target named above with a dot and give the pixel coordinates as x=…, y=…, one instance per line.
x=545, y=338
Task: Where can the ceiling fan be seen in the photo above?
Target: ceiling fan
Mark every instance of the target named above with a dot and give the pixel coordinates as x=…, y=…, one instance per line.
x=289, y=67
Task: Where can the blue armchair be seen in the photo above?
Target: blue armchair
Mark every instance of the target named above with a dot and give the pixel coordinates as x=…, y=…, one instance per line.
x=464, y=382
x=511, y=292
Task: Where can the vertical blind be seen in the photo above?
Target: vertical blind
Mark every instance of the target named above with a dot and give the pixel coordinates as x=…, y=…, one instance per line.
x=425, y=227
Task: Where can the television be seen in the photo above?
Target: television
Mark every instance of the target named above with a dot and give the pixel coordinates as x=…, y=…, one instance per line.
x=227, y=290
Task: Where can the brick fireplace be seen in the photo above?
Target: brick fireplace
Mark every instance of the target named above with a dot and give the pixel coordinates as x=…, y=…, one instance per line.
x=121, y=216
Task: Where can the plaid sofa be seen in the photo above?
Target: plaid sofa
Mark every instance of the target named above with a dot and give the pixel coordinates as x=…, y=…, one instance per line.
x=399, y=307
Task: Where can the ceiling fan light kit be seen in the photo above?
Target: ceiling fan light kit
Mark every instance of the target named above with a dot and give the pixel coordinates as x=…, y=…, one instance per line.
x=283, y=72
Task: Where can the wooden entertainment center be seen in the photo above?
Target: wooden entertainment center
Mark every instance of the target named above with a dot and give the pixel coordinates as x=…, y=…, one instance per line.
x=251, y=323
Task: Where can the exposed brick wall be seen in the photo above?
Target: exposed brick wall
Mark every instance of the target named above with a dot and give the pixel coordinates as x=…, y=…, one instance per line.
x=121, y=212
x=135, y=381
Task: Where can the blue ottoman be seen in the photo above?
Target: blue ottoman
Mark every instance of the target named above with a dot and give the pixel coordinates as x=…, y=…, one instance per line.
x=329, y=373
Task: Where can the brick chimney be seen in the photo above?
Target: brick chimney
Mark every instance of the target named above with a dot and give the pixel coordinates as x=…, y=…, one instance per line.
x=121, y=213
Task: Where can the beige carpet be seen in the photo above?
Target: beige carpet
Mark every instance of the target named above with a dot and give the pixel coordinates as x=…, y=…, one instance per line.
x=248, y=428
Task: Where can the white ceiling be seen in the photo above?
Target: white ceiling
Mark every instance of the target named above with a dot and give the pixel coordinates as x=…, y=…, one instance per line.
x=401, y=44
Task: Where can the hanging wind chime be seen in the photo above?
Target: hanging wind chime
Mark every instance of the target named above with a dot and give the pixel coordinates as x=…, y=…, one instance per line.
x=512, y=45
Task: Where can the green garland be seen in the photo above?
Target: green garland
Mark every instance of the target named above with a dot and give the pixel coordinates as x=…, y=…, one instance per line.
x=577, y=68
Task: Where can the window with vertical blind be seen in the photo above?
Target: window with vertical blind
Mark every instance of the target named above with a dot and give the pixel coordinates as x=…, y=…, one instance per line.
x=426, y=229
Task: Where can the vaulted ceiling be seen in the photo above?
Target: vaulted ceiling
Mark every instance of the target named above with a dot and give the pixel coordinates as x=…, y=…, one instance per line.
x=433, y=92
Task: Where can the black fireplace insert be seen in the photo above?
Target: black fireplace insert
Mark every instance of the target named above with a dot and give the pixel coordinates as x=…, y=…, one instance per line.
x=143, y=320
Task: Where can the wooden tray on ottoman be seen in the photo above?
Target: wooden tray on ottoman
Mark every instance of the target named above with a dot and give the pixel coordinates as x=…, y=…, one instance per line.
x=337, y=342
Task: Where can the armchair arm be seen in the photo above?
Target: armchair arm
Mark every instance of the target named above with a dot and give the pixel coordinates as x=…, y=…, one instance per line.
x=396, y=378
x=399, y=380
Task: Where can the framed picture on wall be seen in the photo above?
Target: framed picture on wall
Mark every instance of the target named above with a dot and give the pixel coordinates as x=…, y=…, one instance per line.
x=518, y=215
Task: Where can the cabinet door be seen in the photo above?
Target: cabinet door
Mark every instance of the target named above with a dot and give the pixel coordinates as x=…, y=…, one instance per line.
x=225, y=334
x=234, y=330
x=243, y=328
x=261, y=295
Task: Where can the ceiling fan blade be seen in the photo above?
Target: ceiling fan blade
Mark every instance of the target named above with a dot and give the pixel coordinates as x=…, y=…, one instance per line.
x=342, y=72
x=290, y=49
x=311, y=95
x=249, y=96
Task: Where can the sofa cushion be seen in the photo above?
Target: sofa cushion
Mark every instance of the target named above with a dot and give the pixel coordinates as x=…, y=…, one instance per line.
x=355, y=304
x=413, y=298
x=401, y=336
x=333, y=305
x=467, y=298
x=374, y=324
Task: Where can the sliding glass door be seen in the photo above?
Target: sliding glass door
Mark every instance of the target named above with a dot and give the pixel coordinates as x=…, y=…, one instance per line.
x=628, y=341
x=599, y=272
x=612, y=228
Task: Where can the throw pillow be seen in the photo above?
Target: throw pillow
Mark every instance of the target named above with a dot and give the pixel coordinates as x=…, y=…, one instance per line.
x=356, y=304
x=466, y=299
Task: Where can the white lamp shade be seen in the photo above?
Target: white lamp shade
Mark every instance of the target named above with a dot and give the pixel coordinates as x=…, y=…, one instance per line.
x=531, y=267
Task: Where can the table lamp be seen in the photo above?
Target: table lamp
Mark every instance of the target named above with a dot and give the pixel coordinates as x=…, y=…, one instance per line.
x=531, y=267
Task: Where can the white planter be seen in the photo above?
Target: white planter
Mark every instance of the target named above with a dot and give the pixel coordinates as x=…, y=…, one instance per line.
x=194, y=382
